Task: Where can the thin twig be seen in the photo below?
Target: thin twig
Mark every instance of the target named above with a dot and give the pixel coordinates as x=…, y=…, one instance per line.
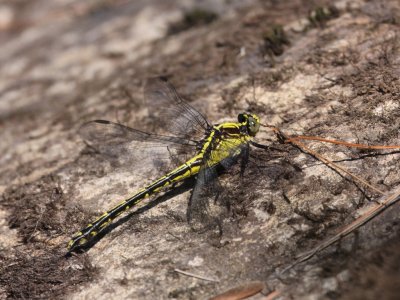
x=288, y=139
x=353, y=145
x=241, y=292
x=375, y=209
x=335, y=166
x=272, y=295
x=196, y=276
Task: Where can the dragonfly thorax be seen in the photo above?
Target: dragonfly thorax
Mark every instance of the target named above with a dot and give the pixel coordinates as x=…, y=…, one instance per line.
x=251, y=122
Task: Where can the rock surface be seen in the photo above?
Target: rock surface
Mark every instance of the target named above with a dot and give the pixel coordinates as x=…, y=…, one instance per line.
x=330, y=69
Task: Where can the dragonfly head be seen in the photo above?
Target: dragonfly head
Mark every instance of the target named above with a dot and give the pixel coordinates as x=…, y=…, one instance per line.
x=251, y=122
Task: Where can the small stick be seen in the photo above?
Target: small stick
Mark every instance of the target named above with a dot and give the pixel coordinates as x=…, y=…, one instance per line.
x=272, y=295
x=375, y=209
x=195, y=276
x=324, y=140
x=336, y=166
x=337, y=142
x=241, y=292
x=288, y=139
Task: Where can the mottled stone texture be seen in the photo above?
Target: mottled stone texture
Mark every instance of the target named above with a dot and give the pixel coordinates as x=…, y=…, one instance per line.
x=325, y=68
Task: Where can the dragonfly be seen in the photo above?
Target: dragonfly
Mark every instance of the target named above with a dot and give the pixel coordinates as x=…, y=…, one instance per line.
x=216, y=147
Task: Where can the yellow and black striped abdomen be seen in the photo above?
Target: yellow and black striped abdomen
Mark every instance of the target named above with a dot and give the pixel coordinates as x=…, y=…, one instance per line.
x=181, y=173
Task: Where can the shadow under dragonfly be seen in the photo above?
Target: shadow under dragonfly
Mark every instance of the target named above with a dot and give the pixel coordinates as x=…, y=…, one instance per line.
x=185, y=186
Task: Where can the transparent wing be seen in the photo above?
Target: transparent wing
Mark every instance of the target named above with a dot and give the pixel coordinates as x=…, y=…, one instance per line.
x=209, y=203
x=128, y=145
x=125, y=145
x=174, y=114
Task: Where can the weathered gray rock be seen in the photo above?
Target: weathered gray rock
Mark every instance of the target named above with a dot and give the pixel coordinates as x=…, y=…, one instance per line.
x=67, y=62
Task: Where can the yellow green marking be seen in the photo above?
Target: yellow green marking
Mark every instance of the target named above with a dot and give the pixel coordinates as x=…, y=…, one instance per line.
x=222, y=141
